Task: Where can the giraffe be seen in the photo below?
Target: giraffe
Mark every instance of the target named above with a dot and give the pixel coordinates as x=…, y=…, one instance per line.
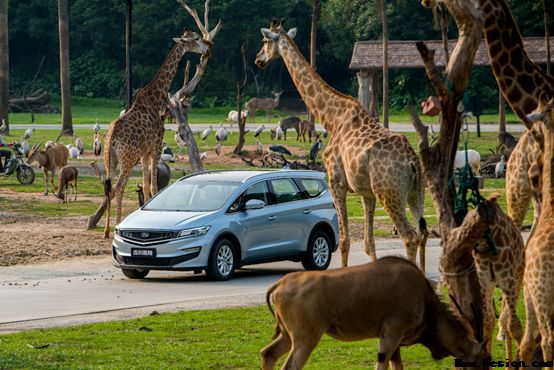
x=138, y=134
x=522, y=83
x=361, y=156
x=504, y=269
x=538, y=279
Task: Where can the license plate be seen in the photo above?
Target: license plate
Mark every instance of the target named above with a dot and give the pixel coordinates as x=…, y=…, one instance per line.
x=143, y=252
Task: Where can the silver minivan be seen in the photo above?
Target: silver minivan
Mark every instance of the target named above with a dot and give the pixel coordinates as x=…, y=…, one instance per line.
x=218, y=221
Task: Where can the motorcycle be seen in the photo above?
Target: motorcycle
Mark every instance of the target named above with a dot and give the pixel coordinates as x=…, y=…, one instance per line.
x=24, y=173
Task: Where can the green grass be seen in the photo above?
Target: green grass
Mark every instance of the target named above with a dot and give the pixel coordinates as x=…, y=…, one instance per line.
x=211, y=339
x=87, y=110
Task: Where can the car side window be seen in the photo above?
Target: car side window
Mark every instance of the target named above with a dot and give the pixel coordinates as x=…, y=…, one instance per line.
x=257, y=191
x=314, y=187
x=285, y=190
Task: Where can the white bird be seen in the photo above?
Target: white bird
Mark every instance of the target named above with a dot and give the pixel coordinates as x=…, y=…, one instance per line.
x=4, y=127
x=122, y=113
x=207, y=132
x=259, y=130
x=218, y=148
x=28, y=133
x=73, y=152
x=221, y=134
x=79, y=144
x=500, y=167
x=259, y=147
x=96, y=127
x=203, y=156
x=97, y=145
x=25, y=147
x=279, y=132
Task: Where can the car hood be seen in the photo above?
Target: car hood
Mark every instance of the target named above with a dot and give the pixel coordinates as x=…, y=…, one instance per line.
x=165, y=220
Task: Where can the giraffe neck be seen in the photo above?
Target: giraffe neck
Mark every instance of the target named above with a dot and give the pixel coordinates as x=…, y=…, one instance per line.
x=316, y=93
x=154, y=94
x=521, y=81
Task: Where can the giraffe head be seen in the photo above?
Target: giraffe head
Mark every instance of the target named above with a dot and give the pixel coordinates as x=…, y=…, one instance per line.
x=542, y=122
x=270, y=48
x=193, y=42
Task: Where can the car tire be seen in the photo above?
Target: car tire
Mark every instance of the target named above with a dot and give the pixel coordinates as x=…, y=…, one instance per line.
x=135, y=274
x=222, y=261
x=318, y=254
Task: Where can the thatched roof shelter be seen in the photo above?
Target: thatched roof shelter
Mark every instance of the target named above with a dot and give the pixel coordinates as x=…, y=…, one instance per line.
x=368, y=55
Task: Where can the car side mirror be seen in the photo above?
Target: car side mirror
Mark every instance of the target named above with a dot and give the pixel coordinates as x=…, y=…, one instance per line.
x=254, y=204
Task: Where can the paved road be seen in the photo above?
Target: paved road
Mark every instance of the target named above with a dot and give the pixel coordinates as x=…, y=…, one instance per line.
x=92, y=290
x=398, y=127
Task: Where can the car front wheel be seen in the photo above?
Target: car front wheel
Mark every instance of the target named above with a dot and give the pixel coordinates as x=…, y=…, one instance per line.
x=135, y=274
x=222, y=263
x=318, y=254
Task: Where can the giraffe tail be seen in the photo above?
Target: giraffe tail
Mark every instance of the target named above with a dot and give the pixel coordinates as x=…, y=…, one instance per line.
x=107, y=191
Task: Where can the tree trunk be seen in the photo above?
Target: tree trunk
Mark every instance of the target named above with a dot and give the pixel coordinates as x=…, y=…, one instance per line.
x=383, y=9
x=373, y=95
x=547, y=37
x=65, y=84
x=240, y=94
x=444, y=32
x=182, y=120
x=363, y=89
x=128, y=65
x=4, y=64
x=313, y=33
x=501, y=114
x=437, y=160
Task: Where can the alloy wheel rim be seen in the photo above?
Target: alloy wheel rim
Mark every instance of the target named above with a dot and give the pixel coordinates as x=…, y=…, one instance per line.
x=321, y=251
x=225, y=260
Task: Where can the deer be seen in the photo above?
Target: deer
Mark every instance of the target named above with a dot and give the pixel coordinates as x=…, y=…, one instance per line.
x=49, y=159
x=266, y=104
x=388, y=299
x=67, y=177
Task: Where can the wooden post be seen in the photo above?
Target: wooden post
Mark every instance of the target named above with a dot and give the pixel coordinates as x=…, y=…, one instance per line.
x=501, y=114
x=363, y=88
x=128, y=65
x=4, y=64
x=373, y=94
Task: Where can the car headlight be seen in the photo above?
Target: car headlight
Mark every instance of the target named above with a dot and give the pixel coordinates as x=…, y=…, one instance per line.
x=194, y=232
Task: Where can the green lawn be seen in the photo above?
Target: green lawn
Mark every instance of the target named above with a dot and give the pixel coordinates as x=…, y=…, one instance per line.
x=87, y=110
x=211, y=339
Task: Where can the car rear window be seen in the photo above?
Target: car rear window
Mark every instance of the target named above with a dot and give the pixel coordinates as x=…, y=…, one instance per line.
x=313, y=187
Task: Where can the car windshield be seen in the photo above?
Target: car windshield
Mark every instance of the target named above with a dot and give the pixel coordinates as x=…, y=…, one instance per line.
x=193, y=195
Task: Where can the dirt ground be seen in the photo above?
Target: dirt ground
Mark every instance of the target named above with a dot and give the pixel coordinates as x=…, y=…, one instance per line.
x=29, y=238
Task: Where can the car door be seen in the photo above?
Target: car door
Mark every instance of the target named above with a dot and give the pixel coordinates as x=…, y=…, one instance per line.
x=258, y=235
x=288, y=214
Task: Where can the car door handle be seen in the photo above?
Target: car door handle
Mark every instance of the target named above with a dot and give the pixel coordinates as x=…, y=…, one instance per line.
x=307, y=211
x=271, y=218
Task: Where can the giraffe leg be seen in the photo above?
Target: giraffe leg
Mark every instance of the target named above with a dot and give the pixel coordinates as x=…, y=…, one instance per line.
x=546, y=328
x=527, y=345
x=487, y=291
x=416, y=200
x=154, y=175
x=146, y=178
x=369, y=212
x=126, y=170
x=395, y=208
x=339, y=196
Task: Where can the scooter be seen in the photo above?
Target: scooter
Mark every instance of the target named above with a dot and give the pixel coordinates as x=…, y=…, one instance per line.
x=24, y=173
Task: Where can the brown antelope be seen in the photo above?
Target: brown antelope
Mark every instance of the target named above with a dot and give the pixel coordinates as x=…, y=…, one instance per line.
x=67, y=178
x=266, y=104
x=388, y=299
x=307, y=127
x=49, y=159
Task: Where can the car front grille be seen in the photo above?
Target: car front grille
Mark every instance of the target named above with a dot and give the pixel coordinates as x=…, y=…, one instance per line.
x=156, y=262
x=143, y=237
